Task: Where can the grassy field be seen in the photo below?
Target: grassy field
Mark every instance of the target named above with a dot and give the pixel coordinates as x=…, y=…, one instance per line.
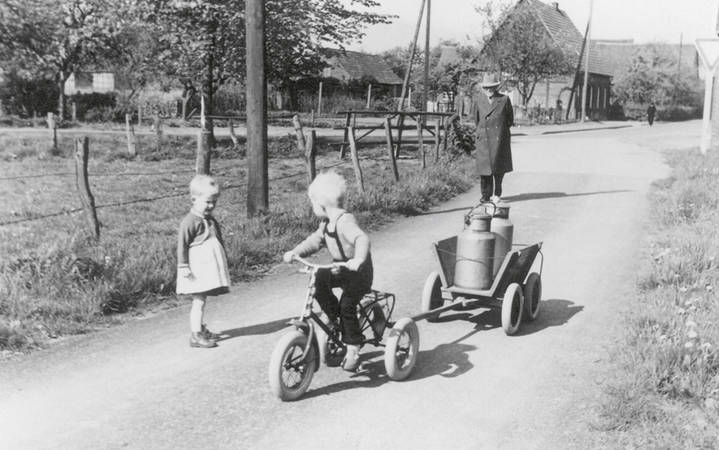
x=55, y=281
x=665, y=394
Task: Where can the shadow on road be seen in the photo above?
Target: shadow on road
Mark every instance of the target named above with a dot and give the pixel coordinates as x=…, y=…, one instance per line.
x=543, y=195
x=552, y=313
x=260, y=328
x=526, y=197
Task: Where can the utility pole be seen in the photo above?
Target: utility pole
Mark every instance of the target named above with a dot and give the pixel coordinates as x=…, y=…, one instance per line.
x=425, y=92
x=413, y=48
x=586, y=61
x=257, y=178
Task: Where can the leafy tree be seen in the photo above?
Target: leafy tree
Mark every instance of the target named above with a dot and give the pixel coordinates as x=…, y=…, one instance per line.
x=520, y=46
x=455, y=74
x=53, y=38
x=652, y=77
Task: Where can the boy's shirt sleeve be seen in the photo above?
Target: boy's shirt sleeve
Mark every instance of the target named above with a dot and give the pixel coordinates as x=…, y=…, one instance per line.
x=218, y=232
x=185, y=235
x=313, y=243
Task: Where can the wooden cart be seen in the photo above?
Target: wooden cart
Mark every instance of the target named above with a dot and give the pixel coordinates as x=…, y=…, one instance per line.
x=515, y=289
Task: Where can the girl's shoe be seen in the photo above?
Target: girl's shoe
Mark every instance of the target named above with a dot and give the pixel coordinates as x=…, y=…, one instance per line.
x=200, y=341
x=209, y=334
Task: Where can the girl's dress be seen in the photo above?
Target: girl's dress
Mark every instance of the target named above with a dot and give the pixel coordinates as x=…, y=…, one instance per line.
x=200, y=246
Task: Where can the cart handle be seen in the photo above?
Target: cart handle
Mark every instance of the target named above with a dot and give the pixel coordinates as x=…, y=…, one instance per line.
x=469, y=213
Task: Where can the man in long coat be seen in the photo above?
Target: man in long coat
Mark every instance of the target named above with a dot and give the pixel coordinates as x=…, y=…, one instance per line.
x=493, y=151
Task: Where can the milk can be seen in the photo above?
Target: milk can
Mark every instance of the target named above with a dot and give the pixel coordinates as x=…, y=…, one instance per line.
x=475, y=251
x=503, y=229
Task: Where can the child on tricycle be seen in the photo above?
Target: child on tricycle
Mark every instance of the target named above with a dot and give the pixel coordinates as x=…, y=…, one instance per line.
x=350, y=248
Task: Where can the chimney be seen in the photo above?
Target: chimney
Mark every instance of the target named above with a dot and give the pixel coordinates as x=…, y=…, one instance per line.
x=556, y=5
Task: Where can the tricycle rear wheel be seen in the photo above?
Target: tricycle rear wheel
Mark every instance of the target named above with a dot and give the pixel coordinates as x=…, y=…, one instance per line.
x=512, y=309
x=290, y=373
x=432, y=295
x=532, y=296
x=400, y=354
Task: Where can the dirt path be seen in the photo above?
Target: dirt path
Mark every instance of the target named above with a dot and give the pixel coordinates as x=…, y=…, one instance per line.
x=140, y=386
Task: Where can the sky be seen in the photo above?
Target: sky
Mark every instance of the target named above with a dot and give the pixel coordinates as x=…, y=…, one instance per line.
x=665, y=21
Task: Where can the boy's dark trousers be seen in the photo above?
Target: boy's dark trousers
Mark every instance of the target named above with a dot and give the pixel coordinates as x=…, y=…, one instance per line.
x=354, y=285
x=486, y=182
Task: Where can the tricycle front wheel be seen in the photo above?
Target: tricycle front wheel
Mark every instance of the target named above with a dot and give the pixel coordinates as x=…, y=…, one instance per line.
x=290, y=373
x=400, y=354
x=512, y=309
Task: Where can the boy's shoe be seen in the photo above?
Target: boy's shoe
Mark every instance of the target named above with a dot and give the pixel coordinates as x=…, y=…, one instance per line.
x=351, y=360
x=200, y=341
x=209, y=334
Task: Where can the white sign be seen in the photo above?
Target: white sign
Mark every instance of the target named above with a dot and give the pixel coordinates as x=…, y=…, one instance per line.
x=709, y=53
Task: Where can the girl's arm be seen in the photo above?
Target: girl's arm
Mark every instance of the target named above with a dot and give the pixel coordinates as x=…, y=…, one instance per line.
x=185, y=236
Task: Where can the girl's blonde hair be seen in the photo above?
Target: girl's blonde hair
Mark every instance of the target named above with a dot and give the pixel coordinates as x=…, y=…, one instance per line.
x=328, y=189
x=204, y=185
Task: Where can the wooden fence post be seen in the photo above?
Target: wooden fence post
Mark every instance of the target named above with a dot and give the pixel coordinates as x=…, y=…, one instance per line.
x=437, y=139
x=139, y=113
x=345, y=135
x=445, y=125
x=420, y=143
x=301, y=144
x=400, y=127
x=52, y=127
x=319, y=100
x=390, y=147
x=157, y=123
x=310, y=156
x=82, y=150
x=312, y=118
x=355, y=158
x=369, y=95
x=74, y=111
x=202, y=163
x=233, y=136
x=131, y=138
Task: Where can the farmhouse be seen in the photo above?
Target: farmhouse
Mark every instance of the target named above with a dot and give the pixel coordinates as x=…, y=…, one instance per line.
x=90, y=82
x=564, y=34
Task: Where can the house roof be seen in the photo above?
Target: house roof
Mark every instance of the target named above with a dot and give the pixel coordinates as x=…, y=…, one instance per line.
x=565, y=35
x=347, y=65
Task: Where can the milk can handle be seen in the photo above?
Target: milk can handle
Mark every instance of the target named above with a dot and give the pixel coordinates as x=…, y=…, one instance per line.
x=469, y=213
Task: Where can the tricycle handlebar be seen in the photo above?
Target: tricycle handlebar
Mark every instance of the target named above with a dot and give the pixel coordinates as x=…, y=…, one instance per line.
x=311, y=265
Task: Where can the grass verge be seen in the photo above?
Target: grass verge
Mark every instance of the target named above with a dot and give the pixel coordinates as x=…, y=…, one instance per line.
x=666, y=390
x=54, y=281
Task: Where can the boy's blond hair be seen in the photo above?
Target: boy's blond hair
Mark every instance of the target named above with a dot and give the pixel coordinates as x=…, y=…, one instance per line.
x=328, y=189
x=204, y=185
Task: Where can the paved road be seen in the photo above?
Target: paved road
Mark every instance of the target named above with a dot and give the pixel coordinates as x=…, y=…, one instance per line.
x=140, y=386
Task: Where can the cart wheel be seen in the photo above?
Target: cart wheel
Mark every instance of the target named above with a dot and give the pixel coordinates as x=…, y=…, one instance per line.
x=512, y=309
x=432, y=295
x=532, y=296
x=400, y=354
x=290, y=374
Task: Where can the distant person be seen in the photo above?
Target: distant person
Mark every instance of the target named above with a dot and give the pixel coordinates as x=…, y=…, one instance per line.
x=651, y=112
x=201, y=259
x=558, y=112
x=492, y=147
x=348, y=244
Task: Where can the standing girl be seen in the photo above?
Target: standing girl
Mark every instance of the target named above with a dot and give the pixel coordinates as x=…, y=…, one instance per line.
x=201, y=260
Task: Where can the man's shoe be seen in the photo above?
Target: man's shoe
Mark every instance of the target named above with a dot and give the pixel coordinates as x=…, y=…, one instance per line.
x=199, y=341
x=496, y=199
x=209, y=334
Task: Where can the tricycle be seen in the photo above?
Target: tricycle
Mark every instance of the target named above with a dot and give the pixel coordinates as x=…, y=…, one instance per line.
x=514, y=289
x=310, y=342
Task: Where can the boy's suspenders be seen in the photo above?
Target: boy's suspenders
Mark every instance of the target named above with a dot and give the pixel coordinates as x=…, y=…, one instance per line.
x=336, y=237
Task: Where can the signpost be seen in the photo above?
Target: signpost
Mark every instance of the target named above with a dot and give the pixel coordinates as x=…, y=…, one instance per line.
x=708, y=50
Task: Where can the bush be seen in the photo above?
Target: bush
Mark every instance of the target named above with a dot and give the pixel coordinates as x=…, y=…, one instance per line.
x=91, y=107
x=677, y=112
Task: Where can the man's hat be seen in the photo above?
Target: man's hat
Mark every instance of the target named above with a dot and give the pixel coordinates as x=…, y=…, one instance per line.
x=490, y=80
